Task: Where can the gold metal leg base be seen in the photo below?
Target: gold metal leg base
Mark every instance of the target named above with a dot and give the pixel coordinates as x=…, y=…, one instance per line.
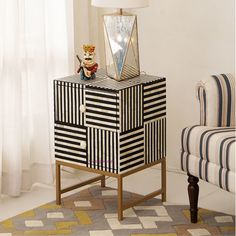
x=103, y=181
x=60, y=191
x=121, y=207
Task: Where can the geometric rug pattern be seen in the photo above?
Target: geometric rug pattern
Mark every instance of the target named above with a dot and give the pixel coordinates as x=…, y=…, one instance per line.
x=92, y=212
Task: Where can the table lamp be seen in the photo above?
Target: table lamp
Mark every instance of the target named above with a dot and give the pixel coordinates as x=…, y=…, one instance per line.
x=121, y=38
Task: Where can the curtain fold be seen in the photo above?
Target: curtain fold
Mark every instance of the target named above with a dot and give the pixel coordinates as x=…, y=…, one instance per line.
x=88, y=29
x=36, y=46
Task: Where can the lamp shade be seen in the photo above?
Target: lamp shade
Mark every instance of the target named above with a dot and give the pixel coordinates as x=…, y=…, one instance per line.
x=120, y=3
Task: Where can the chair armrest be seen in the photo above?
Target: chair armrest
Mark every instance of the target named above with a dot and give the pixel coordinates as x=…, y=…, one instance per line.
x=216, y=95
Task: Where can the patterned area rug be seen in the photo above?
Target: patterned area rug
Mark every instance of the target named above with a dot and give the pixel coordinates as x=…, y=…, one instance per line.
x=92, y=212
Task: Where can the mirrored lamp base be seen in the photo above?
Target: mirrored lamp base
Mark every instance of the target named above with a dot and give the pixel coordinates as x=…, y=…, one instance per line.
x=121, y=46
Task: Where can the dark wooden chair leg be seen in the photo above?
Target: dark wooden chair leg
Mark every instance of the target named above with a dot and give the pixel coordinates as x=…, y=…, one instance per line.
x=193, y=191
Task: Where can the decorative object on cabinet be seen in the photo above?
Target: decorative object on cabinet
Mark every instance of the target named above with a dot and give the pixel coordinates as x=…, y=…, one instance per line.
x=121, y=38
x=110, y=128
x=208, y=149
x=88, y=67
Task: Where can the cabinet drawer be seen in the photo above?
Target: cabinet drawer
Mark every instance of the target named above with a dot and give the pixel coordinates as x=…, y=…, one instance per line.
x=102, y=109
x=68, y=98
x=114, y=110
x=71, y=143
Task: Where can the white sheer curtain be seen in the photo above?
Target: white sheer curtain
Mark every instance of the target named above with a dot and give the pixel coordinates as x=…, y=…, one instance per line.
x=36, y=46
x=88, y=28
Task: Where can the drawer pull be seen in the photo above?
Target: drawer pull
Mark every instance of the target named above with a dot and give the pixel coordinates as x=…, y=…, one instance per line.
x=82, y=108
x=83, y=144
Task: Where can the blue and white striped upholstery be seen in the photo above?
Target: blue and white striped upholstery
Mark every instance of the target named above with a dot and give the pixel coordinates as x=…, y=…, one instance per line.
x=208, y=149
x=209, y=153
x=216, y=95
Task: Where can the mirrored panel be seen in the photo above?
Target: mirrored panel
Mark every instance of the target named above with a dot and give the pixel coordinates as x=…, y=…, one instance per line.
x=131, y=64
x=119, y=29
x=110, y=63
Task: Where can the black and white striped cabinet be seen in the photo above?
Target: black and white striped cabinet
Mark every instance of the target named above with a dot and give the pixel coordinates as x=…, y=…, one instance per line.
x=109, y=125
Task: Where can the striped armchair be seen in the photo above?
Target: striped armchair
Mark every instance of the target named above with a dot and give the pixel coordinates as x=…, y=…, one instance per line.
x=208, y=149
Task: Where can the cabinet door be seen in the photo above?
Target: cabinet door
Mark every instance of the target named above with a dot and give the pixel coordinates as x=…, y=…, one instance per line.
x=102, y=109
x=68, y=98
x=103, y=150
x=71, y=143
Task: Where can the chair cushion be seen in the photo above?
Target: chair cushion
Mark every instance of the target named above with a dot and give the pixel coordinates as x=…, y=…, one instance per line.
x=208, y=171
x=211, y=144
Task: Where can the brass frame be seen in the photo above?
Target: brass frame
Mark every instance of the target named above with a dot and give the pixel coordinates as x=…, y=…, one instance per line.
x=101, y=177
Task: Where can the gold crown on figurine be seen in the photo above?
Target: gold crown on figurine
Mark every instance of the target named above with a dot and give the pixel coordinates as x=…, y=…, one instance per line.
x=89, y=48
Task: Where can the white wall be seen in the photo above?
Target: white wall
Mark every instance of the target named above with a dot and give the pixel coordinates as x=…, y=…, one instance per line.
x=185, y=40
x=182, y=40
